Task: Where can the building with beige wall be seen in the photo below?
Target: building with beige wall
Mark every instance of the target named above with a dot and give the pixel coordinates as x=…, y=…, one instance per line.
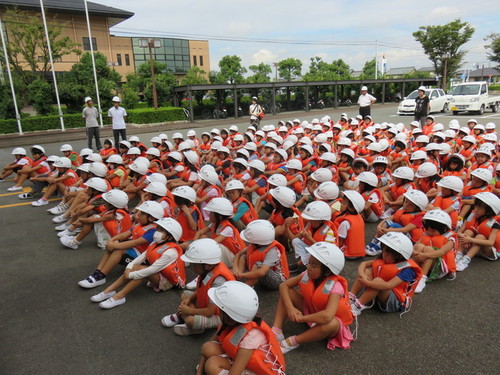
x=123, y=53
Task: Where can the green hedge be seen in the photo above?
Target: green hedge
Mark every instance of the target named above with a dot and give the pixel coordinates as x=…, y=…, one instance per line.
x=136, y=116
x=495, y=87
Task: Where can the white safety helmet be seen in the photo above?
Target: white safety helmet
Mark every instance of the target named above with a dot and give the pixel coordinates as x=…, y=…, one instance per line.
x=482, y=173
x=294, y=164
x=418, y=198
x=489, y=199
x=445, y=149
x=134, y=138
x=87, y=98
x=329, y=156
x=454, y=125
x=66, y=147
x=18, y=151
x=156, y=177
x=39, y=148
x=426, y=170
x=85, y=151
x=114, y=159
x=419, y=155
x=490, y=125
x=375, y=146
x=125, y=143
x=490, y=137
x=221, y=206
x=171, y=226
x=156, y=188
x=152, y=208
x=153, y=151
x=439, y=216
x=398, y=242
x=191, y=133
x=177, y=136
x=464, y=129
x=241, y=161
x=326, y=146
x=381, y=160
x=138, y=167
x=284, y=195
x=405, y=173
x=84, y=167
x=234, y=185
x=328, y=190
x=469, y=138
x=185, y=192
x=156, y=140
x=116, y=198
x=236, y=299
x=329, y=255
x=282, y=153
x=251, y=146
x=433, y=147
x=184, y=146
x=209, y=175
x=94, y=157
x=483, y=150
x=257, y=164
x=321, y=138
x=452, y=182
x=175, y=155
x=317, y=210
x=349, y=152
x=98, y=184
x=422, y=139
x=322, y=175
x=203, y=251
x=305, y=141
x=356, y=199
x=143, y=160
x=368, y=178
x=134, y=151
x=258, y=232
x=344, y=142
x=233, y=128
x=98, y=169
x=192, y=157
x=276, y=179
x=54, y=158
x=116, y=99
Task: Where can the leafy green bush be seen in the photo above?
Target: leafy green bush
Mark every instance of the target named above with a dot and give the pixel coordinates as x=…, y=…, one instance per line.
x=495, y=87
x=141, y=105
x=136, y=116
x=40, y=95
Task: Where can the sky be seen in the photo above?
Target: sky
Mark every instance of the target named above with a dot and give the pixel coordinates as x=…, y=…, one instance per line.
x=345, y=29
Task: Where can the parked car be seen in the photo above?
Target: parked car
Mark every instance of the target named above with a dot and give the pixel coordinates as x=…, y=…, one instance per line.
x=438, y=99
x=473, y=97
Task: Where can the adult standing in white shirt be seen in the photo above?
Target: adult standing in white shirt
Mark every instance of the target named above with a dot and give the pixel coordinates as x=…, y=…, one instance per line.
x=365, y=101
x=118, y=116
x=89, y=115
x=255, y=110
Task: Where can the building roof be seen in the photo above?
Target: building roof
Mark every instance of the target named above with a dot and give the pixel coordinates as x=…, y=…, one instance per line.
x=426, y=69
x=69, y=6
x=399, y=71
x=478, y=73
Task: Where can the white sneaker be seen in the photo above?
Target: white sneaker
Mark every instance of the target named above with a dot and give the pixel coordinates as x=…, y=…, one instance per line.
x=102, y=296
x=58, y=210
x=90, y=282
x=39, y=203
x=463, y=263
x=59, y=219
x=458, y=257
x=53, y=208
x=184, y=330
x=111, y=303
x=171, y=320
x=357, y=307
x=286, y=347
x=70, y=242
x=15, y=188
x=69, y=233
x=421, y=284
x=192, y=284
x=63, y=226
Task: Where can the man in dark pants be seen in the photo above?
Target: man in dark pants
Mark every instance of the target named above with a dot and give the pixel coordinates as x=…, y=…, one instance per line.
x=422, y=106
x=365, y=101
x=89, y=115
x=118, y=116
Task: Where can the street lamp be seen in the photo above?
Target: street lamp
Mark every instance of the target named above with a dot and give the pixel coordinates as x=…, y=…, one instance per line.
x=446, y=56
x=151, y=43
x=275, y=64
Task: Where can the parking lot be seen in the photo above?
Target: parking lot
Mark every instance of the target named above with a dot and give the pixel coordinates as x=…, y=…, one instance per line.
x=49, y=325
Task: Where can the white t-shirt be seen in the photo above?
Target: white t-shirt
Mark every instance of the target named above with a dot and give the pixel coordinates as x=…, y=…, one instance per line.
x=344, y=228
x=365, y=100
x=254, y=110
x=117, y=115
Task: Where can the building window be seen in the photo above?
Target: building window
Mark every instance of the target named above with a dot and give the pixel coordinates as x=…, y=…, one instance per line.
x=201, y=60
x=119, y=59
x=127, y=59
x=86, y=44
x=194, y=61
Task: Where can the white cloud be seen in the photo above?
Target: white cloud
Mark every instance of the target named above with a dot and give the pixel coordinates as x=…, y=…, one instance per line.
x=265, y=56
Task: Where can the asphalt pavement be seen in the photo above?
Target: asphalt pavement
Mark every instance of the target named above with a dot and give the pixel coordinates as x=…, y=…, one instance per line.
x=49, y=325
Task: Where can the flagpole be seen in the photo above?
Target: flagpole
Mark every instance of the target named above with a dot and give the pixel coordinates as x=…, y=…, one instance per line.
x=93, y=62
x=13, y=91
x=52, y=66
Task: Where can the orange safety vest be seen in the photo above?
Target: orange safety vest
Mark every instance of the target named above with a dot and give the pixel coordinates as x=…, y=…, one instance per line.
x=277, y=219
x=265, y=360
x=107, y=151
x=460, y=173
x=205, y=284
x=485, y=227
x=444, y=203
x=180, y=216
x=158, y=167
x=397, y=191
x=122, y=222
x=387, y=271
x=138, y=231
x=43, y=169
x=115, y=181
x=174, y=272
x=258, y=254
x=225, y=171
x=250, y=215
x=438, y=242
x=316, y=298
x=260, y=190
x=203, y=192
x=319, y=234
x=378, y=208
x=354, y=245
x=297, y=186
x=138, y=180
x=78, y=161
x=469, y=191
x=72, y=180
x=234, y=244
x=404, y=218
x=274, y=166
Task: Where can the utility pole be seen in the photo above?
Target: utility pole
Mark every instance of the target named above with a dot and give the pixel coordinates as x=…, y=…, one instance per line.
x=376, y=59
x=275, y=64
x=446, y=57
x=150, y=44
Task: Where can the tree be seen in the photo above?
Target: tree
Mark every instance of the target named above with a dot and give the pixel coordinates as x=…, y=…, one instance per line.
x=493, y=47
x=260, y=73
x=231, y=69
x=195, y=76
x=27, y=48
x=320, y=70
x=368, y=71
x=79, y=82
x=442, y=43
x=141, y=82
x=40, y=95
x=290, y=69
